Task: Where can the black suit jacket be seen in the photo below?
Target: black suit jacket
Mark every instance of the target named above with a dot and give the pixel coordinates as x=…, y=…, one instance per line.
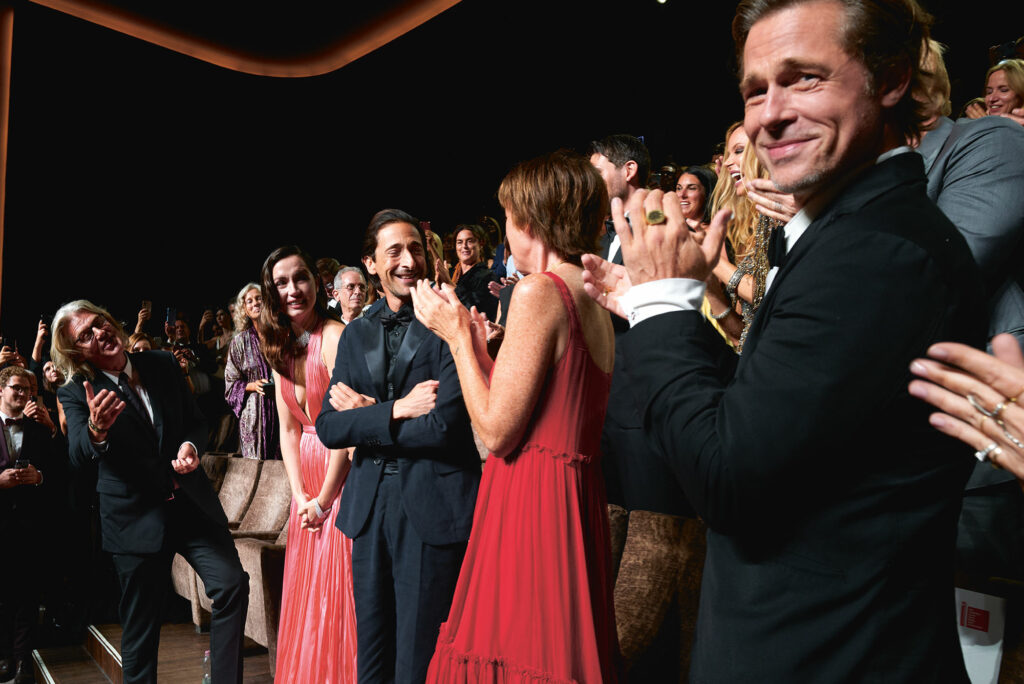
x=439, y=465
x=28, y=507
x=831, y=502
x=134, y=477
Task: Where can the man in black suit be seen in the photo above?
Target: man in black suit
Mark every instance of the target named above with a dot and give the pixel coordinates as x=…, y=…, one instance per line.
x=132, y=418
x=831, y=503
x=27, y=450
x=633, y=480
x=409, y=498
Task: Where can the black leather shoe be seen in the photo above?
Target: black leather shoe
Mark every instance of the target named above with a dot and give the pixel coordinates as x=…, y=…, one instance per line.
x=6, y=669
x=26, y=674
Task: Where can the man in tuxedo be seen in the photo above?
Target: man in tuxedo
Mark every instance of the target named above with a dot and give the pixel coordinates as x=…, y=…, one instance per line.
x=409, y=498
x=633, y=480
x=624, y=163
x=831, y=503
x=132, y=419
x=26, y=451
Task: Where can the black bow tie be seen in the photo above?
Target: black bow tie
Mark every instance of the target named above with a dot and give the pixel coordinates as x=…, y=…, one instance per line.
x=777, y=248
x=609, y=228
x=401, y=317
x=14, y=421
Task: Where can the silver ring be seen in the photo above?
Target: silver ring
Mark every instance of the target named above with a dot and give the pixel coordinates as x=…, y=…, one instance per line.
x=997, y=410
x=984, y=453
x=977, y=405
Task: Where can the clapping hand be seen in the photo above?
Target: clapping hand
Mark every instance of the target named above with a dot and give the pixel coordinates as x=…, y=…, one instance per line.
x=439, y=310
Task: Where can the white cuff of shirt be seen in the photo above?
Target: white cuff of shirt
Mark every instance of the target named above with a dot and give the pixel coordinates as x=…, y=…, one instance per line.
x=645, y=300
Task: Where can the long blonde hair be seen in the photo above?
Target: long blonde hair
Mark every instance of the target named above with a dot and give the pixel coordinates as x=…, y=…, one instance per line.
x=740, y=231
x=64, y=353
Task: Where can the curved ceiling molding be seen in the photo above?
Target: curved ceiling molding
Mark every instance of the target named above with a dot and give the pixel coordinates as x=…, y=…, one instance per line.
x=281, y=39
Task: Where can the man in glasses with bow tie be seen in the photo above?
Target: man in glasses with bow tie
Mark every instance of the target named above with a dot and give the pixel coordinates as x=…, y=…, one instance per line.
x=132, y=419
x=408, y=502
x=26, y=451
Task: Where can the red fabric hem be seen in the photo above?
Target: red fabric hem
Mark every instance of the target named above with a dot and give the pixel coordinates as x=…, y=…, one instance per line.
x=450, y=666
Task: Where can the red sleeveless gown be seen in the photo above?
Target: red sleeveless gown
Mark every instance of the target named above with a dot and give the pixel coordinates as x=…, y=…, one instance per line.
x=316, y=639
x=534, y=597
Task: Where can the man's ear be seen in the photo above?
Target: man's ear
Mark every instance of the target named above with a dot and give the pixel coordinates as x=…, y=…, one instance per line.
x=892, y=85
x=630, y=170
x=371, y=267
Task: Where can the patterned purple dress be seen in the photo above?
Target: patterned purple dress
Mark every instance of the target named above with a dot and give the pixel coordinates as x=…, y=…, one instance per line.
x=257, y=416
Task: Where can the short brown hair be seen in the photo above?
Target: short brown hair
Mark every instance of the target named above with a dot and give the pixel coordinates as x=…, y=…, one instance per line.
x=10, y=371
x=561, y=198
x=884, y=35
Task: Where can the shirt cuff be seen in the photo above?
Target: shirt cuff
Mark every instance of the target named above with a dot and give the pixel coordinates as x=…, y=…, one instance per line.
x=646, y=300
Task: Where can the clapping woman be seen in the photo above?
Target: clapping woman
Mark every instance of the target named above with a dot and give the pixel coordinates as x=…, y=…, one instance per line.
x=534, y=597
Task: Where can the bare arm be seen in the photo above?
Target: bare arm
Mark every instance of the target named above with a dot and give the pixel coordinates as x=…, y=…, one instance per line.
x=338, y=462
x=537, y=332
x=291, y=433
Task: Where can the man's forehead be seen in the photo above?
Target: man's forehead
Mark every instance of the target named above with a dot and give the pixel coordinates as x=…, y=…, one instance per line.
x=398, y=234
x=781, y=34
x=83, y=319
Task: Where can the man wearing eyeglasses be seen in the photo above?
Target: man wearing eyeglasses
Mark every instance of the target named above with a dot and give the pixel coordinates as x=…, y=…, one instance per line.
x=26, y=450
x=133, y=419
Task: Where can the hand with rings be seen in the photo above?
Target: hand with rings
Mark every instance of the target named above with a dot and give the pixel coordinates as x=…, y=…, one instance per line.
x=977, y=396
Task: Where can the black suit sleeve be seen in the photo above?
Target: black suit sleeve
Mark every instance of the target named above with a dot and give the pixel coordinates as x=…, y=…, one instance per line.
x=373, y=426
x=824, y=360
x=81, y=450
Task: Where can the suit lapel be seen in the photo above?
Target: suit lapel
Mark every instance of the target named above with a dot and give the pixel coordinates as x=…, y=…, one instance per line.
x=102, y=382
x=414, y=337
x=373, y=349
x=874, y=181
x=148, y=373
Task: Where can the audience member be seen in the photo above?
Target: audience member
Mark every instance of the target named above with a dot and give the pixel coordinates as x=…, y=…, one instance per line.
x=350, y=293
x=26, y=499
x=472, y=276
x=737, y=283
x=978, y=398
x=408, y=503
x=975, y=172
x=246, y=380
x=300, y=344
x=694, y=186
x=540, y=415
x=1004, y=92
x=849, y=581
x=153, y=501
x=624, y=164
x=633, y=480
x=140, y=341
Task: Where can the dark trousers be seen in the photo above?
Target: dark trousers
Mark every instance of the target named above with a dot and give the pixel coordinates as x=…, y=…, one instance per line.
x=19, y=601
x=403, y=590
x=144, y=581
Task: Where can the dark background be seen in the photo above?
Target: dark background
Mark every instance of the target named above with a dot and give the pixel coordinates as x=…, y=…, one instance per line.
x=135, y=172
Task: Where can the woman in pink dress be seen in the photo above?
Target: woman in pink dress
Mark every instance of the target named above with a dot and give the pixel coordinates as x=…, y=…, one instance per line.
x=534, y=598
x=316, y=640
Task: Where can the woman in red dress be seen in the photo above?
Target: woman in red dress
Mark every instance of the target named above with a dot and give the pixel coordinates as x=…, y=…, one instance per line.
x=534, y=597
x=316, y=639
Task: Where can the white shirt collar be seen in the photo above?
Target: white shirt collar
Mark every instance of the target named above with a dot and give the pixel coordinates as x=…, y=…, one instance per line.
x=116, y=377
x=803, y=218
